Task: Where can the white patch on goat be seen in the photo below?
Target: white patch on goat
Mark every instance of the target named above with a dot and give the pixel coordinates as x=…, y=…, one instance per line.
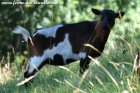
x=34, y=63
x=23, y=31
x=64, y=48
x=48, y=32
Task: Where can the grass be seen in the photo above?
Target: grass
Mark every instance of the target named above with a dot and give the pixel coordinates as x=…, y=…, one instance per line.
x=107, y=74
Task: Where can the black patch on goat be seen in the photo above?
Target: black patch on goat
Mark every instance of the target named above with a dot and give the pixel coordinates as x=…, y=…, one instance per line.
x=76, y=31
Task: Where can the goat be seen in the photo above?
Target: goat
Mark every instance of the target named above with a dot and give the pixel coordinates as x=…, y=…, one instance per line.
x=63, y=44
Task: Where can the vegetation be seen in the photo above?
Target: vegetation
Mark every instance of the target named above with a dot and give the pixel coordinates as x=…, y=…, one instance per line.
x=110, y=73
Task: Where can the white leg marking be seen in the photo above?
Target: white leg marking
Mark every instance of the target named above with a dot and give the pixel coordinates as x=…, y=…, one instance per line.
x=34, y=63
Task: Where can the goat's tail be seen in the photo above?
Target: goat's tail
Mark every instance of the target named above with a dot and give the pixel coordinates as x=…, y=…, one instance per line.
x=23, y=31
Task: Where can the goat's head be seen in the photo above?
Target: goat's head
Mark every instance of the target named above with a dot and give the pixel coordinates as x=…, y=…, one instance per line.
x=108, y=17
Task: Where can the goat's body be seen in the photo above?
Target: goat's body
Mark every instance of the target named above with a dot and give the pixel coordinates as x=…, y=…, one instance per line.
x=78, y=35
x=63, y=45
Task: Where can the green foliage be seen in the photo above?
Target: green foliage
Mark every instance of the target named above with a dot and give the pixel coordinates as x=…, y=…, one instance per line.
x=117, y=58
x=33, y=16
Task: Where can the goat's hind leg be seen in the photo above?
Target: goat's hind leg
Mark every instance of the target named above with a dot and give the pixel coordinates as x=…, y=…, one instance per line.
x=84, y=65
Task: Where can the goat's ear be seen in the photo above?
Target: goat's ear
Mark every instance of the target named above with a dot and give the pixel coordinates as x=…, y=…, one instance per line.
x=119, y=15
x=96, y=11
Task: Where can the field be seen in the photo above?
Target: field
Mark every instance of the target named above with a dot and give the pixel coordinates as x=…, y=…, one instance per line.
x=112, y=72
x=104, y=76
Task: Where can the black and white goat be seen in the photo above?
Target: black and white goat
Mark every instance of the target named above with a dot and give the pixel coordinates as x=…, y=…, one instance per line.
x=63, y=44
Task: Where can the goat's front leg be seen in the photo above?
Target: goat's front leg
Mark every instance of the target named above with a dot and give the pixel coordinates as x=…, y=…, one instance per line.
x=34, y=64
x=84, y=65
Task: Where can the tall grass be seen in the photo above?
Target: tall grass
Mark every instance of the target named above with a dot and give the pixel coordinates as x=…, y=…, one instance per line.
x=110, y=73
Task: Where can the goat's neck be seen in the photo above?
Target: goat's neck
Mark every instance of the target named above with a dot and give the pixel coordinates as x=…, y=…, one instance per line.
x=101, y=35
x=102, y=31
